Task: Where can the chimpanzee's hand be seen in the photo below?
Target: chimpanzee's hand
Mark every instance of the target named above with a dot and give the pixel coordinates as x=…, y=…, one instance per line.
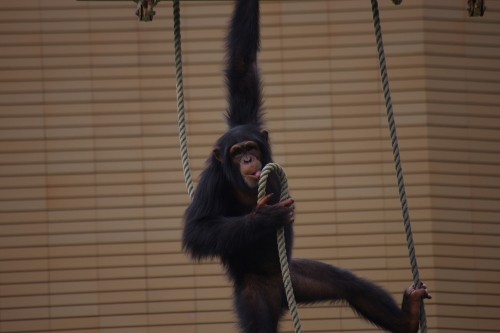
x=289, y=203
x=280, y=214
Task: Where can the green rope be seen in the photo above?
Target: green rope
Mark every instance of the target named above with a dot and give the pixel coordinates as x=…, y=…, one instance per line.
x=287, y=281
x=180, y=101
x=397, y=159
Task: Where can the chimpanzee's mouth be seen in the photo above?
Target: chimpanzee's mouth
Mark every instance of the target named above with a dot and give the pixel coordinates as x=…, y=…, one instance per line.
x=255, y=176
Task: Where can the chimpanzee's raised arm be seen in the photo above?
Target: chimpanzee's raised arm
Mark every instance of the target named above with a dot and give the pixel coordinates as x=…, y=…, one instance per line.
x=242, y=73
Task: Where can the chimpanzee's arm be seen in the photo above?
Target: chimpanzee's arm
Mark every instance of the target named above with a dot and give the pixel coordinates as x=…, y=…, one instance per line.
x=221, y=236
x=242, y=74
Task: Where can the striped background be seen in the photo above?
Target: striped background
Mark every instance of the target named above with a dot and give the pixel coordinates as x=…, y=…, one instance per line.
x=91, y=186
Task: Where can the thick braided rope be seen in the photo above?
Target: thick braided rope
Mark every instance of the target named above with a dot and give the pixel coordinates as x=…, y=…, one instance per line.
x=180, y=100
x=397, y=159
x=292, y=305
x=262, y=182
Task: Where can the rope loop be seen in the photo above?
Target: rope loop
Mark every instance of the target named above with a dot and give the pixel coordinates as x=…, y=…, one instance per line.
x=285, y=271
x=266, y=171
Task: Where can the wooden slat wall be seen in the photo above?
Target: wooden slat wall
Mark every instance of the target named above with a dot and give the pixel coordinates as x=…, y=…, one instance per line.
x=463, y=110
x=91, y=186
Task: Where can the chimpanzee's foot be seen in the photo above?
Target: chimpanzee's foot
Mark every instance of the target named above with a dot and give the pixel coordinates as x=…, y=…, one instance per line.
x=412, y=300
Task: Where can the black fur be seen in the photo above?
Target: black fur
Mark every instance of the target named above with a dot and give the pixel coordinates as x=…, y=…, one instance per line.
x=242, y=73
x=223, y=221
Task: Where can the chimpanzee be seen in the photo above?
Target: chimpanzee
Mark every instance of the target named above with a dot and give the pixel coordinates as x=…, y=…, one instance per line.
x=224, y=220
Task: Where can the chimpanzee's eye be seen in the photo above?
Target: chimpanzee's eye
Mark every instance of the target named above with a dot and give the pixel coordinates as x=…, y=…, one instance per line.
x=236, y=151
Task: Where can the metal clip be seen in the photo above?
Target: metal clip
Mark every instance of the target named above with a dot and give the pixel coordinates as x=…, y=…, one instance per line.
x=145, y=9
x=476, y=7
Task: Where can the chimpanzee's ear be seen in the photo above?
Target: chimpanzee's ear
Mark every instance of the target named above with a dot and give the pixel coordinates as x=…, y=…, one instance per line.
x=265, y=135
x=217, y=154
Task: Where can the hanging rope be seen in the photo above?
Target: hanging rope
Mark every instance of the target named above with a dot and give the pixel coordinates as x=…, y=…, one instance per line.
x=181, y=114
x=262, y=182
x=276, y=168
x=287, y=281
x=397, y=159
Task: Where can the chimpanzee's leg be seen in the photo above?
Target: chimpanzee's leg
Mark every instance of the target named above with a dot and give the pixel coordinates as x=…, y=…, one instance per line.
x=315, y=281
x=260, y=303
